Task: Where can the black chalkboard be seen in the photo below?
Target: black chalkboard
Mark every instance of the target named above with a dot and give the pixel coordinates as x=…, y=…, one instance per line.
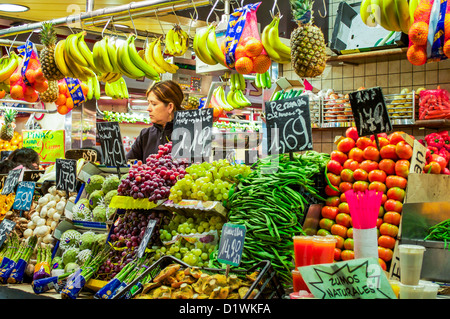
x=87, y=154
x=112, y=144
x=147, y=235
x=192, y=134
x=24, y=196
x=369, y=111
x=6, y=226
x=11, y=181
x=66, y=175
x=231, y=244
x=32, y=176
x=288, y=125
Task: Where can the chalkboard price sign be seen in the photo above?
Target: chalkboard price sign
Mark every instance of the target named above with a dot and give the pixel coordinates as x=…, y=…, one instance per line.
x=231, y=244
x=112, y=144
x=370, y=112
x=66, y=175
x=192, y=134
x=11, y=181
x=6, y=226
x=24, y=196
x=288, y=125
x=147, y=235
x=86, y=154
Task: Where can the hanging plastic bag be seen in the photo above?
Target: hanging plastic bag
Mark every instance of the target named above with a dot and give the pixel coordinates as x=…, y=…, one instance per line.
x=244, y=50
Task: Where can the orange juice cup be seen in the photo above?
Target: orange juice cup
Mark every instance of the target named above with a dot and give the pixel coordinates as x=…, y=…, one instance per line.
x=323, y=249
x=297, y=281
x=303, y=246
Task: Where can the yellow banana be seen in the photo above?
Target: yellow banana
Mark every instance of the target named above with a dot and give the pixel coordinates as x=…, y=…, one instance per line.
x=200, y=47
x=365, y=11
x=59, y=58
x=213, y=47
x=412, y=7
x=71, y=47
x=169, y=42
x=177, y=42
x=71, y=67
x=90, y=84
x=112, y=55
x=148, y=57
x=389, y=12
x=85, y=51
x=149, y=71
x=9, y=68
x=380, y=18
x=107, y=65
x=123, y=87
x=96, y=87
x=275, y=42
x=159, y=59
x=125, y=63
x=184, y=41
x=402, y=9
x=96, y=56
x=273, y=54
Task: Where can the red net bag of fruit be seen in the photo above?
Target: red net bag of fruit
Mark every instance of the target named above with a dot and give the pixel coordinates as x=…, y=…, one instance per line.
x=434, y=104
x=244, y=50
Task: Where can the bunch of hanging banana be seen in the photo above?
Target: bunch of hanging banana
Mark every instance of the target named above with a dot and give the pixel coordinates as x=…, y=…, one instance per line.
x=176, y=41
x=8, y=64
x=117, y=89
x=153, y=55
x=74, y=58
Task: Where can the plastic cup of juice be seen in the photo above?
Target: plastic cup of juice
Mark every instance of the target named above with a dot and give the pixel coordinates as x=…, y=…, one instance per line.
x=297, y=281
x=303, y=246
x=411, y=291
x=323, y=249
x=411, y=258
x=430, y=289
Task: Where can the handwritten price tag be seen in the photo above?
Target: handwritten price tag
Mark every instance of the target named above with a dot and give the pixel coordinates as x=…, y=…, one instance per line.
x=24, y=196
x=66, y=175
x=11, y=181
x=147, y=235
x=288, y=125
x=370, y=112
x=6, y=226
x=231, y=244
x=112, y=144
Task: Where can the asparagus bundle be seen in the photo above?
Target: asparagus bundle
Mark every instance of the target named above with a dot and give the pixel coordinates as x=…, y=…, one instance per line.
x=10, y=247
x=20, y=260
x=135, y=273
x=77, y=282
x=55, y=282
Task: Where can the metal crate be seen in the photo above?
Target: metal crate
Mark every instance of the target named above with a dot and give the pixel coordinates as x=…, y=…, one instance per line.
x=401, y=108
x=315, y=112
x=266, y=282
x=337, y=112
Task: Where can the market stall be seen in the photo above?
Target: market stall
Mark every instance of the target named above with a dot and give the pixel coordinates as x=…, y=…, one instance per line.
x=240, y=203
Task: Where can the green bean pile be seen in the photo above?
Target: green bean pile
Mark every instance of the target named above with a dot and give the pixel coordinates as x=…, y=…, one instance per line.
x=271, y=203
x=440, y=232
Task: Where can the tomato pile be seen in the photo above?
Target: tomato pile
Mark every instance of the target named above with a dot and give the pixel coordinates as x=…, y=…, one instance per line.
x=358, y=164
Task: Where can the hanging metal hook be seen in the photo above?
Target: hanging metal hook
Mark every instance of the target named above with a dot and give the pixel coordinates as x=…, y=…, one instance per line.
x=131, y=18
x=325, y=6
x=212, y=9
x=157, y=18
x=10, y=47
x=272, y=12
x=81, y=23
x=175, y=14
x=106, y=25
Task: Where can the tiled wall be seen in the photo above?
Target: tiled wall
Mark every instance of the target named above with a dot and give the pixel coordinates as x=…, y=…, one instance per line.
x=392, y=76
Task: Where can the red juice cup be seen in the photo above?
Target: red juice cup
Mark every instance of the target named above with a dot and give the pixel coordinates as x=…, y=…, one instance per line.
x=297, y=281
x=303, y=246
x=323, y=249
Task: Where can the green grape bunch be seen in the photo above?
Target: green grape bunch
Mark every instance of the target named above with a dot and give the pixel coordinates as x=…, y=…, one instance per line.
x=208, y=181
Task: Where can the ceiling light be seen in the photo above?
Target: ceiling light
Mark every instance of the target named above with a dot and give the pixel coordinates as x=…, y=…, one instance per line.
x=9, y=7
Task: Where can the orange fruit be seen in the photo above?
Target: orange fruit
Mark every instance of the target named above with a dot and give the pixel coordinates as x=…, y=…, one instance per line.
x=239, y=52
x=418, y=33
x=16, y=92
x=84, y=88
x=39, y=76
x=261, y=64
x=2, y=94
x=15, y=77
x=30, y=74
x=244, y=65
x=447, y=48
x=62, y=86
x=246, y=39
x=417, y=55
x=28, y=90
x=31, y=97
x=61, y=100
x=253, y=48
x=62, y=109
x=69, y=103
x=41, y=86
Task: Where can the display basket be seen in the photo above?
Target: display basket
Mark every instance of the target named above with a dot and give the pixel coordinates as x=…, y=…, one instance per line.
x=401, y=108
x=315, y=113
x=337, y=112
x=266, y=283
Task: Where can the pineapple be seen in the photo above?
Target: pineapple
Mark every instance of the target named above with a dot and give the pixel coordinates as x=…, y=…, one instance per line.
x=308, y=55
x=46, y=57
x=7, y=130
x=52, y=92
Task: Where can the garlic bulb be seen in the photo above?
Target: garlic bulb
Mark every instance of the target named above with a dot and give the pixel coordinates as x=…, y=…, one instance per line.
x=27, y=233
x=44, y=212
x=60, y=206
x=31, y=225
x=51, y=204
x=56, y=216
x=51, y=212
x=43, y=201
x=40, y=222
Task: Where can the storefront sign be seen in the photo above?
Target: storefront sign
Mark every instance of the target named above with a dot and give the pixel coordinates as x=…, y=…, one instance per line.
x=24, y=196
x=49, y=144
x=288, y=125
x=231, y=244
x=111, y=142
x=370, y=112
x=361, y=278
x=66, y=175
x=192, y=134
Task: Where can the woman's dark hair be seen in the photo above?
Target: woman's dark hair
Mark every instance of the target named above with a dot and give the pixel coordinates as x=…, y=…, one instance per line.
x=166, y=92
x=6, y=166
x=24, y=156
